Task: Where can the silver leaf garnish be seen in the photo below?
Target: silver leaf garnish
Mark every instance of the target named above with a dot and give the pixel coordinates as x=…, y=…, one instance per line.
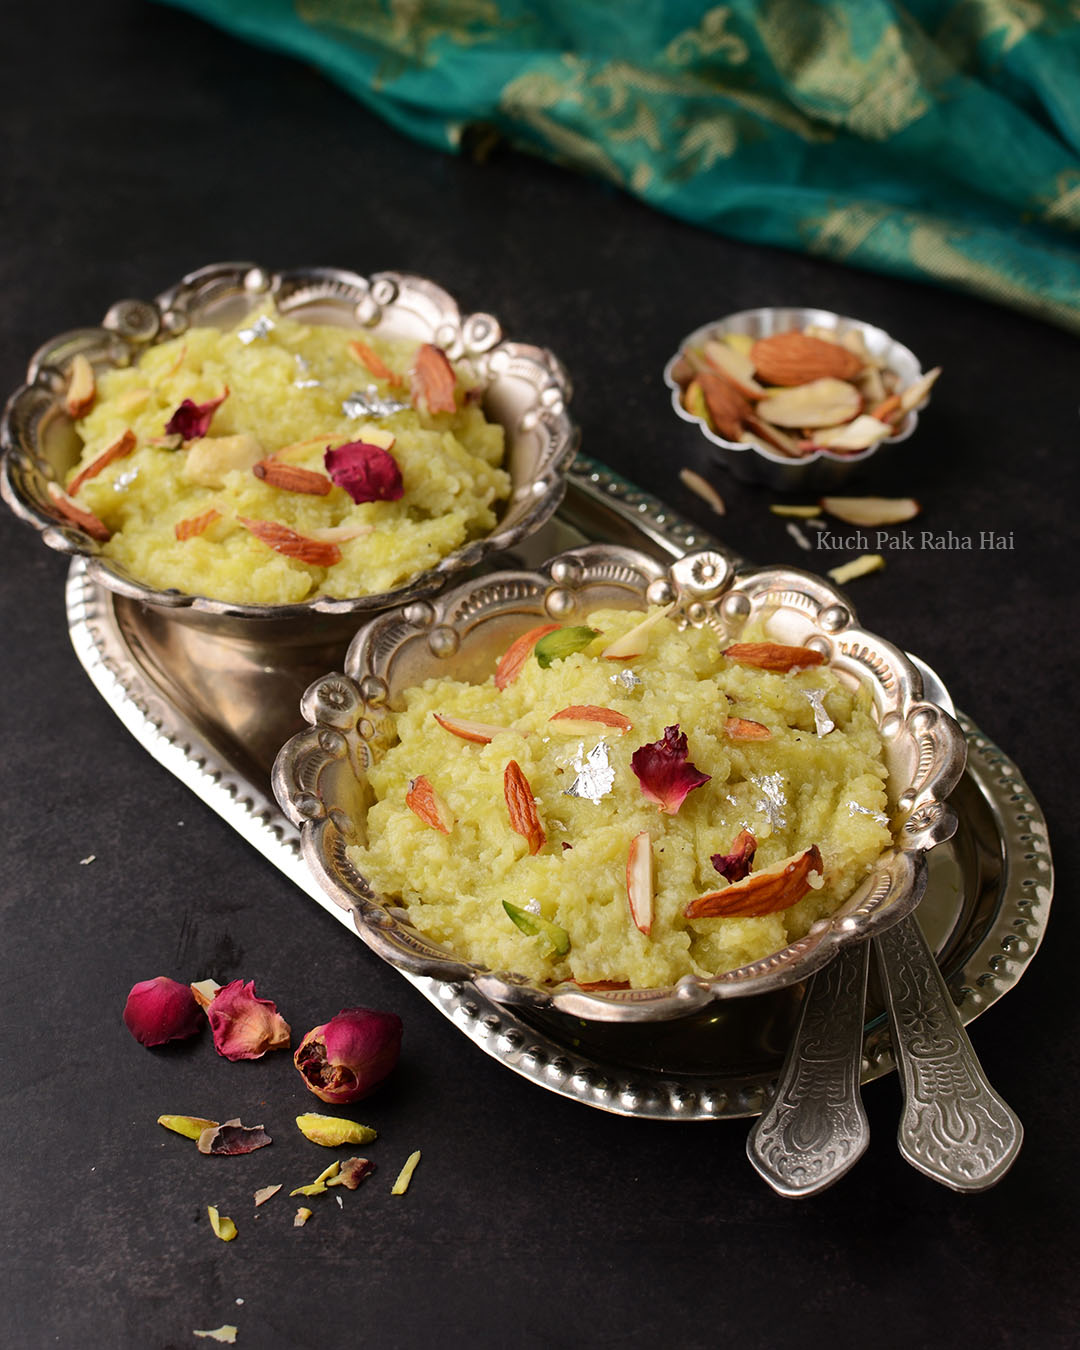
x=259, y=328
x=627, y=679
x=857, y=809
x=125, y=479
x=532, y=906
x=774, y=798
x=798, y=535
x=823, y=723
x=595, y=776
x=307, y=384
x=369, y=403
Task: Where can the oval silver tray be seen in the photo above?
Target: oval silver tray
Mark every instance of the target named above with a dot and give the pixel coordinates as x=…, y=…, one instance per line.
x=984, y=912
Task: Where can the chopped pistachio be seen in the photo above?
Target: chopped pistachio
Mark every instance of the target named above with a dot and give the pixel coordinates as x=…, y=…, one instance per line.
x=331, y=1131
x=405, y=1175
x=301, y=1217
x=533, y=925
x=189, y=1126
x=857, y=567
x=561, y=643
x=318, y=1186
x=799, y=512
x=224, y=1335
x=223, y=1227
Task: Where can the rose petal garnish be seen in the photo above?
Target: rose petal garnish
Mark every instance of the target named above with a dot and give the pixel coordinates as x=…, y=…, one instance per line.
x=522, y=807
x=161, y=1010
x=223, y=1228
x=401, y=1185
x=736, y=864
x=349, y=1056
x=562, y=642
x=519, y=651
x=773, y=656
x=766, y=892
x=368, y=473
x=353, y=1172
x=244, y=1025
x=232, y=1138
x=265, y=1193
x=192, y=420
x=119, y=449
x=332, y=1131
x=433, y=380
x=535, y=925
x=664, y=770
x=189, y=1126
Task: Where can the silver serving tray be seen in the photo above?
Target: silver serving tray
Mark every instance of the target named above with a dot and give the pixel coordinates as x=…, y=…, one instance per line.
x=984, y=911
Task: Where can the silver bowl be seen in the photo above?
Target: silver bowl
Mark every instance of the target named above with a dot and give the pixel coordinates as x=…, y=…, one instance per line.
x=824, y=468
x=320, y=776
x=525, y=389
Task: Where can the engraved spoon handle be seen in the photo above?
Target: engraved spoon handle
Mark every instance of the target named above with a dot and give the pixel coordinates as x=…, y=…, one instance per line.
x=815, y=1127
x=954, y=1126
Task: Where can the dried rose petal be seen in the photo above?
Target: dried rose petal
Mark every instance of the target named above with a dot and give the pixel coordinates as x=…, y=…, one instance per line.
x=736, y=864
x=664, y=770
x=349, y=1056
x=368, y=473
x=246, y=1026
x=192, y=420
x=232, y=1138
x=161, y=1010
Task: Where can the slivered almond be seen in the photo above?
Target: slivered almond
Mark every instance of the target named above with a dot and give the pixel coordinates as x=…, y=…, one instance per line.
x=131, y=399
x=773, y=656
x=795, y=358
x=704, y=490
x=522, y=808
x=871, y=385
x=742, y=729
x=291, y=478
x=765, y=892
x=178, y=362
x=914, y=394
x=434, y=380
x=888, y=410
x=341, y=534
x=480, y=733
x=736, y=366
x=581, y=717
x=871, y=510
x=373, y=362
x=728, y=409
x=636, y=641
x=210, y=458
x=519, y=651
x=773, y=436
x=641, y=881
x=77, y=515
x=82, y=387
x=859, y=434
x=193, y=525
x=861, y=566
x=823, y=402
x=425, y=803
x=301, y=547
x=118, y=450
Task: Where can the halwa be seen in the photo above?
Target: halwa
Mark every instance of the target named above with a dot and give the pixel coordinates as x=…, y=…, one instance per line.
x=506, y=818
x=206, y=469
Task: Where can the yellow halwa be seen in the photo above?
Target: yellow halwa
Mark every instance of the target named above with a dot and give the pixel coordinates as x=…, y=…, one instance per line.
x=796, y=789
x=289, y=385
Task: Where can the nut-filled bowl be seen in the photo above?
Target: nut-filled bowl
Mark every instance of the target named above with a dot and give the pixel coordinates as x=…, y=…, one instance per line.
x=164, y=387
x=324, y=776
x=860, y=390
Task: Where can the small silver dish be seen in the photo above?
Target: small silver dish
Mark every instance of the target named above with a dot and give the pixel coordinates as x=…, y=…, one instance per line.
x=526, y=389
x=823, y=469
x=320, y=775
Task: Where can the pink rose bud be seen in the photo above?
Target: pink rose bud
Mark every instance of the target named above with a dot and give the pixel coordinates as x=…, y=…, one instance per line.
x=350, y=1055
x=245, y=1026
x=161, y=1010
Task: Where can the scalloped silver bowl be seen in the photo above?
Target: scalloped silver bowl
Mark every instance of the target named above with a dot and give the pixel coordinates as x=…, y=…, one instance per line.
x=320, y=776
x=526, y=389
x=824, y=468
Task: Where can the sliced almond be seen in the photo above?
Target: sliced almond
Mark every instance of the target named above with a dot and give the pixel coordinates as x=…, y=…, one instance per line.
x=773, y=656
x=341, y=534
x=854, y=341
x=861, y=566
x=795, y=358
x=765, y=892
x=425, y=803
x=131, y=399
x=743, y=729
x=302, y=449
x=82, y=387
x=194, y=525
x=434, y=380
x=871, y=385
x=888, y=410
x=736, y=366
x=914, y=394
x=373, y=362
x=704, y=490
x=78, y=515
x=480, y=733
x=819, y=403
x=522, y=807
x=292, y=545
x=519, y=651
x=859, y=434
x=728, y=409
x=799, y=512
x=118, y=450
x=772, y=436
x=208, y=460
x=583, y=718
x=291, y=478
x=871, y=510
x=636, y=641
x=641, y=881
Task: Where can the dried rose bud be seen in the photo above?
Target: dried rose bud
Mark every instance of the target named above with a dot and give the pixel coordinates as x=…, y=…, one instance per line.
x=161, y=1010
x=664, y=770
x=192, y=420
x=246, y=1026
x=368, y=473
x=349, y=1056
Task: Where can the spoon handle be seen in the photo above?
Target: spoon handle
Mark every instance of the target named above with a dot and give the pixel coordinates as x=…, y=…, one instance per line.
x=815, y=1127
x=954, y=1126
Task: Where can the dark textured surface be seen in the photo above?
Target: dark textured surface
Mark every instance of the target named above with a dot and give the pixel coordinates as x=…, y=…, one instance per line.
x=143, y=145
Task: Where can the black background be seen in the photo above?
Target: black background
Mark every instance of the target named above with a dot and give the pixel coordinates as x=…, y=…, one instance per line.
x=141, y=144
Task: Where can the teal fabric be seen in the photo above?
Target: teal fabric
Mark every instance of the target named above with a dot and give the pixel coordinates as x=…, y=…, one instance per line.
x=938, y=140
